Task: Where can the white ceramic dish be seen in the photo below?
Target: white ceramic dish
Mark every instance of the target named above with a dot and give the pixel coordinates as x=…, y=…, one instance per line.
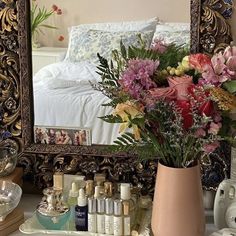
x=32, y=226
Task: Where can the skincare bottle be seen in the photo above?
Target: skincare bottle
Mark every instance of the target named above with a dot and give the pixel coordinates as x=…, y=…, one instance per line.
x=117, y=219
x=97, y=192
x=72, y=201
x=108, y=189
x=81, y=212
x=125, y=196
x=101, y=215
x=126, y=218
x=109, y=216
x=89, y=188
x=99, y=180
x=92, y=215
x=58, y=180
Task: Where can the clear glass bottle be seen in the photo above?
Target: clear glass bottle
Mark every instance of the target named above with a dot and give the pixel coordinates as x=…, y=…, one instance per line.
x=109, y=221
x=126, y=218
x=118, y=219
x=100, y=215
x=92, y=215
x=81, y=212
x=72, y=202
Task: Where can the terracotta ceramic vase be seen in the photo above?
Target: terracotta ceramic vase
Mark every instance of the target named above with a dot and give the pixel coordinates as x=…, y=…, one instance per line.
x=178, y=202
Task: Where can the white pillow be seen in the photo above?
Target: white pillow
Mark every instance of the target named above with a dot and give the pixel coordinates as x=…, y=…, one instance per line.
x=84, y=45
x=178, y=33
x=147, y=25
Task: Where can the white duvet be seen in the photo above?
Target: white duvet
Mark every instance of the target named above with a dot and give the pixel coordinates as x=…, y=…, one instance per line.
x=64, y=97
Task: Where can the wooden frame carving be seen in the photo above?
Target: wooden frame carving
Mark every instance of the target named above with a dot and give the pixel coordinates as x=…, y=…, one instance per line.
x=209, y=32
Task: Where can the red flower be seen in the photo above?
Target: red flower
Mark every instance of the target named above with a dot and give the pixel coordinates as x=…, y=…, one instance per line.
x=186, y=113
x=61, y=38
x=59, y=11
x=199, y=61
x=54, y=7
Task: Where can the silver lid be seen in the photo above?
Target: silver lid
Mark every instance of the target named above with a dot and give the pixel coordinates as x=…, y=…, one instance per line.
x=109, y=206
x=117, y=207
x=100, y=205
x=92, y=205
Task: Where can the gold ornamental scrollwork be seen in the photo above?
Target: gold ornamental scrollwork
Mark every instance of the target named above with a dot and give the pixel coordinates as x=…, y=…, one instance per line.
x=215, y=31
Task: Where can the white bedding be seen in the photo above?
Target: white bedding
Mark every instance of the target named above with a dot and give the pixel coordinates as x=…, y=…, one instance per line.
x=64, y=97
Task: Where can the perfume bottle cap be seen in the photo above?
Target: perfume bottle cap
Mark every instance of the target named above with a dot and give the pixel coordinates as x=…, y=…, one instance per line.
x=125, y=191
x=92, y=205
x=126, y=208
x=109, y=206
x=108, y=189
x=117, y=207
x=58, y=180
x=97, y=191
x=74, y=191
x=82, y=200
x=89, y=188
x=101, y=205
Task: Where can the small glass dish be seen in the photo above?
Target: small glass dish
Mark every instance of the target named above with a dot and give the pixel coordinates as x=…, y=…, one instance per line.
x=10, y=195
x=8, y=158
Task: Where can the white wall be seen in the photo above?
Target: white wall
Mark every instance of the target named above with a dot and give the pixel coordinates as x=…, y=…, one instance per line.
x=89, y=11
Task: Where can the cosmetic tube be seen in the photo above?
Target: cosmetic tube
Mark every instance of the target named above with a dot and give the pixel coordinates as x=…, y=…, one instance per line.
x=118, y=219
x=101, y=215
x=109, y=221
x=92, y=215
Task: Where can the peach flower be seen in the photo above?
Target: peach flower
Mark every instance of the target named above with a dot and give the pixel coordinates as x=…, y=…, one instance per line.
x=181, y=85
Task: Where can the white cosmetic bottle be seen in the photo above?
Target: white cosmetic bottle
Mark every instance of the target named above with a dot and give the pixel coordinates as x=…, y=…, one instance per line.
x=100, y=215
x=126, y=218
x=92, y=215
x=118, y=219
x=109, y=220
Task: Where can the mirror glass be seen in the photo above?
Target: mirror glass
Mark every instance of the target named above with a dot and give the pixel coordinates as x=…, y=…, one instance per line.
x=63, y=96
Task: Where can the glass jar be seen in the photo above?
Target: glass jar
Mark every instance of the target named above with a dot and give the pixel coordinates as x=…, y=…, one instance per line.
x=8, y=157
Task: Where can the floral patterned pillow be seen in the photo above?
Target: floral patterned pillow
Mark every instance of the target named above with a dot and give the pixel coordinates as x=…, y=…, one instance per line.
x=84, y=45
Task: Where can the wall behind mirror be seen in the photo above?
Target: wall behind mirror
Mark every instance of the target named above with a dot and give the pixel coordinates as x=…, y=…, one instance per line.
x=75, y=106
x=80, y=11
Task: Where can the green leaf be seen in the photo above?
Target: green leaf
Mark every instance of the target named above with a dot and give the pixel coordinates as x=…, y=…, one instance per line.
x=230, y=86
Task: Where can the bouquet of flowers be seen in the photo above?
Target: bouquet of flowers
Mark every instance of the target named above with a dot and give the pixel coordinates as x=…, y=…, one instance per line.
x=39, y=15
x=165, y=100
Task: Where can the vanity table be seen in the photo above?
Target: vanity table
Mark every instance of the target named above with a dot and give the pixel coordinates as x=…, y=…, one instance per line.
x=29, y=203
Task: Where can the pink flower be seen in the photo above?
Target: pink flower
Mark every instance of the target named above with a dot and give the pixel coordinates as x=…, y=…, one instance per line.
x=136, y=79
x=155, y=94
x=231, y=64
x=218, y=63
x=214, y=128
x=229, y=52
x=209, y=148
x=199, y=61
x=61, y=38
x=159, y=46
x=59, y=11
x=181, y=84
x=54, y=7
x=200, y=133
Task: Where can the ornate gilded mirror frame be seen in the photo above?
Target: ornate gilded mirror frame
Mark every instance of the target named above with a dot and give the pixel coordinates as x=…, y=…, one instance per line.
x=209, y=32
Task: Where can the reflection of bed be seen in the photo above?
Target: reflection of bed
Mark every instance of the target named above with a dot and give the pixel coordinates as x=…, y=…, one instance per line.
x=63, y=95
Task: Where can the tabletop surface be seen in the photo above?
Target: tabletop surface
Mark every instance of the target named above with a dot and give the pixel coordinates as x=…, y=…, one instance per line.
x=29, y=202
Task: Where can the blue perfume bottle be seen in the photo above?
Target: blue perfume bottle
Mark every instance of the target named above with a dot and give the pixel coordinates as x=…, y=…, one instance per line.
x=81, y=212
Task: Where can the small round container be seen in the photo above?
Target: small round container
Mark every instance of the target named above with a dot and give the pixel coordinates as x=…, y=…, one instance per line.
x=10, y=195
x=8, y=158
x=52, y=212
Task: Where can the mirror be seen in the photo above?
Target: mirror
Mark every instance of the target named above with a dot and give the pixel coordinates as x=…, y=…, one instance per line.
x=209, y=31
x=63, y=96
